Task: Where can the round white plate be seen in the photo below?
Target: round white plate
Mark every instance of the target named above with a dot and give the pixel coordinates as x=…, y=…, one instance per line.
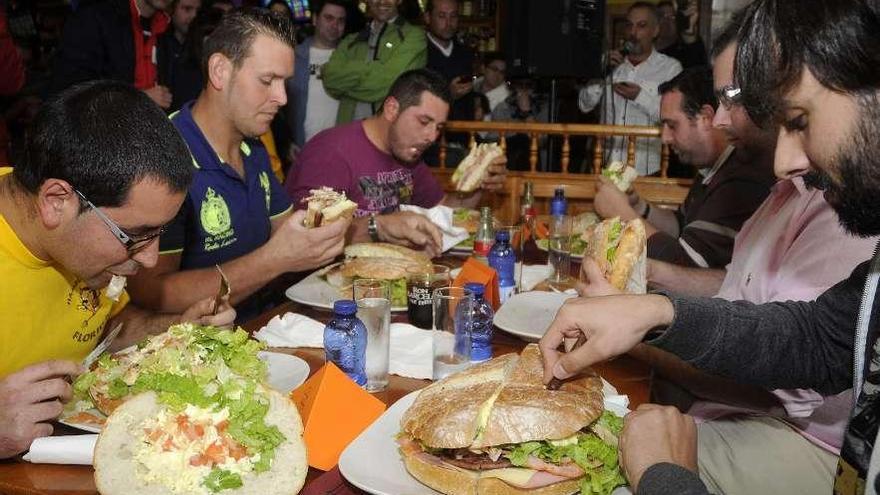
x=286, y=373
x=316, y=292
x=528, y=314
x=372, y=462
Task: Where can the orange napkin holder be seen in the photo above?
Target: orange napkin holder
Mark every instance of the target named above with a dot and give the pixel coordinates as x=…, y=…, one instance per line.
x=334, y=412
x=475, y=271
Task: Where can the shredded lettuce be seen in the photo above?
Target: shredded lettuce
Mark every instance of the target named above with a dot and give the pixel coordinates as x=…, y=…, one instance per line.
x=462, y=214
x=221, y=479
x=398, y=292
x=613, y=235
x=594, y=456
x=174, y=390
x=83, y=383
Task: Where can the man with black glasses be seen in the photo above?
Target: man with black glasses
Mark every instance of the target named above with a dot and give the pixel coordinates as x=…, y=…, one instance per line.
x=104, y=171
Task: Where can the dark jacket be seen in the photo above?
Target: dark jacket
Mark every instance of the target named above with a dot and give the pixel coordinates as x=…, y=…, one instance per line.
x=828, y=345
x=298, y=93
x=713, y=212
x=177, y=70
x=97, y=44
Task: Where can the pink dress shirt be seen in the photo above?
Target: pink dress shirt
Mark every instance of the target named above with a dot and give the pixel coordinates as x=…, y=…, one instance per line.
x=793, y=248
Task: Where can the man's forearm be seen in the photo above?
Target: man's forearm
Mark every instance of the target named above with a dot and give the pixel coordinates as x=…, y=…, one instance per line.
x=703, y=282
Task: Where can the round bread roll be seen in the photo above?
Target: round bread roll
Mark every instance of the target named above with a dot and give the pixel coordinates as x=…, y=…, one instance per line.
x=116, y=469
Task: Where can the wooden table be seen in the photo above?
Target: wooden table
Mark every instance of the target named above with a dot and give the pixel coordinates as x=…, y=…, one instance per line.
x=19, y=477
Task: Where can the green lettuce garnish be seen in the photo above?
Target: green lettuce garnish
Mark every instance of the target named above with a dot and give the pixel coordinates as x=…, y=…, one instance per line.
x=221, y=479
x=398, y=292
x=597, y=458
x=83, y=383
x=613, y=235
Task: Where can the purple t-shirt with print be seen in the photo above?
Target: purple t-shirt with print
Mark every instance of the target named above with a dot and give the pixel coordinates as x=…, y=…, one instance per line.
x=346, y=160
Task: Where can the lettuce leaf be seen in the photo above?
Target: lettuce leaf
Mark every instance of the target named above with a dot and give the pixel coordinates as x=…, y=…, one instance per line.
x=83, y=383
x=221, y=479
x=174, y=390
x=398, y=292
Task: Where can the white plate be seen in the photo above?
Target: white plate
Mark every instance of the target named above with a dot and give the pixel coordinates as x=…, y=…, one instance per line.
x=286, y=373
x=528, y=314
x=372, y=463
x=316, y=292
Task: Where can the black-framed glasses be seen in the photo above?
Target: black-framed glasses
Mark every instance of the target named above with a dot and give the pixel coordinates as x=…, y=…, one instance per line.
x=729, y=95
x=133, y=244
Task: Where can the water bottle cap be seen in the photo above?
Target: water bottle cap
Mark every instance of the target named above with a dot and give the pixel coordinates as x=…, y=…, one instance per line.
x=476, y=288
x=345, y=307
x=502, y=236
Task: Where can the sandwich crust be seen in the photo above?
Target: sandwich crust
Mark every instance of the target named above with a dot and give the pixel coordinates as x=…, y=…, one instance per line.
x=385, y=250
x=629, y=250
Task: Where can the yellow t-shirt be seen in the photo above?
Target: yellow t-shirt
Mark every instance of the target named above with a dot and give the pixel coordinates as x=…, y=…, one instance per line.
x=45, y=313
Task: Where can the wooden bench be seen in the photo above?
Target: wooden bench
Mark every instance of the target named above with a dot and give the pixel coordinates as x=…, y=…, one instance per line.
x=580, y=188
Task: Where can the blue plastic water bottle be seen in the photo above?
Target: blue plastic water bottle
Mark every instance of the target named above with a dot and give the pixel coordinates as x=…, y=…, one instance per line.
x=503, y=260
x=345, y=341
x=481, y=324
x=558, y=205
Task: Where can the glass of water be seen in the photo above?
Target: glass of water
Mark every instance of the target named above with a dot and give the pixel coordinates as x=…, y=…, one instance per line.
x=560, y=248
x=373, y=297
x=453, y=307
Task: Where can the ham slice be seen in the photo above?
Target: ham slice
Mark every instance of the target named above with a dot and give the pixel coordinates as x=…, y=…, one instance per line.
x=567, y=470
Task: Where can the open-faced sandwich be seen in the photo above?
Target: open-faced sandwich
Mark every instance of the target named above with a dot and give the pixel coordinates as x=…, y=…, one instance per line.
x=616, y=247
x=376, y=260
x=326, y=206
x=495, y=429
x=470, y=172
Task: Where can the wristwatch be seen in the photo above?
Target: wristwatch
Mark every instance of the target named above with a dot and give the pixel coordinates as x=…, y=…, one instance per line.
x=372, y=229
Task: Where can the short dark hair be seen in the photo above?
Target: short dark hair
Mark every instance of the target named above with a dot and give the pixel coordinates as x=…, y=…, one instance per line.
x=729, y=34
x=237, y=30
x=650, y=7
x=836, y=41
x=696, y=87
x=429, y=5
x=103, y=137
x=409, y=86
x=318, y=6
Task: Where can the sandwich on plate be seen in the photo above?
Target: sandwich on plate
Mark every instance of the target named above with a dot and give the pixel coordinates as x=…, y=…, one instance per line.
x=621, y=175
x=326, y=206
x=616, y=246
x=244, y=443
x=470, y=172
x=376, y=260
x=495, y=429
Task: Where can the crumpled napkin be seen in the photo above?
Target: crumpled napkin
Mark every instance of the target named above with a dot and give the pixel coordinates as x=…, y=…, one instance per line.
x=410, y=352
x=442, y=217
x=68, y=449
x=292, y=330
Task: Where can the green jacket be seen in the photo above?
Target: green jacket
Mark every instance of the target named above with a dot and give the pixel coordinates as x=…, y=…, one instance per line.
x=350, y=79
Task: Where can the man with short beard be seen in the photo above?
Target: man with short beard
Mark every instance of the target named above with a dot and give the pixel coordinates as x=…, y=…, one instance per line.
x=114, y=39
x=826, y=101
x=236, y=214
x=378, y=163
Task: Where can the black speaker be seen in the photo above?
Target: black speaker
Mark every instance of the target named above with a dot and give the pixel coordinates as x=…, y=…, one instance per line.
x=555, y=38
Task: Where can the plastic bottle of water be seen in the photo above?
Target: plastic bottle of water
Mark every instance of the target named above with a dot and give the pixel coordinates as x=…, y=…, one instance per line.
x=503, y=260
x=481, y=324
x=558, y=205
x=345, y=341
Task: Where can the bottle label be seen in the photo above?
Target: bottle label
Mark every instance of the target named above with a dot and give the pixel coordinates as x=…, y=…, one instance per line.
x=482, y=248
x=504, y=292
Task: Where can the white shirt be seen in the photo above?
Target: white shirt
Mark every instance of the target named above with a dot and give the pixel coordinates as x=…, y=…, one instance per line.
x=320, y=108
x=445, y=50
x=495, y=95
x=644, y=110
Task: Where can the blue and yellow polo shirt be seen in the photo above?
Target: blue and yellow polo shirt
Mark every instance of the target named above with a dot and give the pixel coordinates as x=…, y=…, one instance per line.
x=225, y=216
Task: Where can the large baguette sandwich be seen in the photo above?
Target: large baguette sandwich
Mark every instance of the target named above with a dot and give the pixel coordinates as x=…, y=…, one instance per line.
x=616, y=247
x=495, y=429
x=376, y=260
x=326, y=206
x=470, y=172
x=148, y=447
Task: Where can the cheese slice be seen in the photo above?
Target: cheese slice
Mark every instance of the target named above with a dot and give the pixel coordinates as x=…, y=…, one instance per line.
x=512, y=476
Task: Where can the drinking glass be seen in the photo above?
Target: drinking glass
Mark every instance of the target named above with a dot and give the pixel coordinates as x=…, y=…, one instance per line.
x=453, y=309
x=560, y=248
x=420, y=284
x=373, y=297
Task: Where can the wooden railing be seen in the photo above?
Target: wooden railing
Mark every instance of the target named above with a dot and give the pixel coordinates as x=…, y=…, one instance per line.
x=580, y=188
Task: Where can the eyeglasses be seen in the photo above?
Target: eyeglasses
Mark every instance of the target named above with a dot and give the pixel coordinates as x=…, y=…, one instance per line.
x=133, y=244
x=729, y=96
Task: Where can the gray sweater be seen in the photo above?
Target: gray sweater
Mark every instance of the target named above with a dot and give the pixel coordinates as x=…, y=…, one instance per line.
x=786, y=345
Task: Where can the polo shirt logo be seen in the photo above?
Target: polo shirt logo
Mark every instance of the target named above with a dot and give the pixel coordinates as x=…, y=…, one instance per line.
x=216, y=221
x=267, y=192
